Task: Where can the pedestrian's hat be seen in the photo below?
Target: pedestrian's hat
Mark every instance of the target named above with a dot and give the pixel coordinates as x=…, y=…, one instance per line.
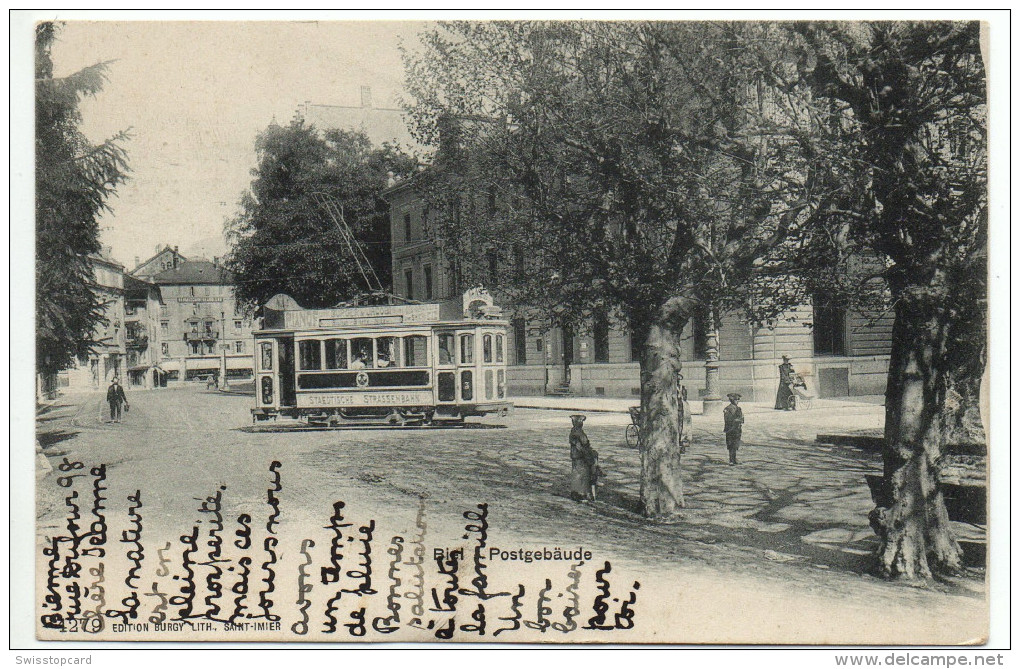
x=786, y=357
x=578, y=417
x=733, y=396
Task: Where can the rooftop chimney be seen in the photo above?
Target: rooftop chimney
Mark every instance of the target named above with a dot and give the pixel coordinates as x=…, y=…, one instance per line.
x=366, y=97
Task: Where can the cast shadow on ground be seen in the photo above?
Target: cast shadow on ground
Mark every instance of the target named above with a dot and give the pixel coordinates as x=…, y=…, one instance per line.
x=47, y=439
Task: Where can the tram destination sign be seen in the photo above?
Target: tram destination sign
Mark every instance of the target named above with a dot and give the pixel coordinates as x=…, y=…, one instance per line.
x=308, y=319
x=397, y=398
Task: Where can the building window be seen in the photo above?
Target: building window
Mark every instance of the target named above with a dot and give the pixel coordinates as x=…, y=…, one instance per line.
x=829, y=327
x=196, y=348
x=409, y=283
x=635, y=347
x=237, y=325
x=407, y=226
x=239, y=347
x=164, y=310
x=164, y=348
x=600, y=333
x=698, y=326
x=210, y=348
x=164, y=328
x=428, y=282
x=493, y=261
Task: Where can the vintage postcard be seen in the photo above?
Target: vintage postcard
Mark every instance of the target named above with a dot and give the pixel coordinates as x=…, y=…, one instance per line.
x=568, y=332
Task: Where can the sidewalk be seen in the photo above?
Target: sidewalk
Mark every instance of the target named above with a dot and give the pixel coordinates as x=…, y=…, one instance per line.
x=622, y=405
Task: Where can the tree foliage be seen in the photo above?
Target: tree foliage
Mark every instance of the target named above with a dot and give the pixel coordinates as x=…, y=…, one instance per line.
x=74, y=180
x=900, y=118
x=285, y=238
x=633, y=168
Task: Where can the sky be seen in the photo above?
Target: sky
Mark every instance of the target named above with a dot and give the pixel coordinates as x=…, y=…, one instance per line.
x=194, y=95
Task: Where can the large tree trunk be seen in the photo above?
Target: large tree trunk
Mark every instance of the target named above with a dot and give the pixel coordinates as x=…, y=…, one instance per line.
x=930, y=401
x=662, y=492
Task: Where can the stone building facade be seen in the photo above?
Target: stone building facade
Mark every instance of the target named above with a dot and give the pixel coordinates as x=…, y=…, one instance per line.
x=197, y=329
x=109, y=356
x=840, y=353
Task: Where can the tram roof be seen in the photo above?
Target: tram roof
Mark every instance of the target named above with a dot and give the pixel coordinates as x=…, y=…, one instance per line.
x=475, y=307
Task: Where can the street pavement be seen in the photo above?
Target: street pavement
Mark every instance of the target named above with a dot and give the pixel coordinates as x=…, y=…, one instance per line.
x=791, y=518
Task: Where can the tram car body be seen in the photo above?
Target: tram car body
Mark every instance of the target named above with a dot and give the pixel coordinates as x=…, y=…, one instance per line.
x=394, y=363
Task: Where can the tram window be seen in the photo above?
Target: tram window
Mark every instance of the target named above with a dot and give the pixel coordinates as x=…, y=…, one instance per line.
x=416, y=351
x=361, y=353
x=310, y=354
x=467, y=348
x=488, y=384
x=499, y=348
x=336, y=354
x=467, y=391
x=266, y=350
x=386, y=352
x=445, y=349
x=487, y=348
x=500, y=384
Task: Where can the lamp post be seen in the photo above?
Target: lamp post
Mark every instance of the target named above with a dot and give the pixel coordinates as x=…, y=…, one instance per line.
x=224, y=385
x=712, y=400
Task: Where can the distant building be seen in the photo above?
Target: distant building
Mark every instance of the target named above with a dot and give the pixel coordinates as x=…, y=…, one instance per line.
x=141, y=309
x=844, y=353
x=108, y=356
x=197, y=325
x=167, y=258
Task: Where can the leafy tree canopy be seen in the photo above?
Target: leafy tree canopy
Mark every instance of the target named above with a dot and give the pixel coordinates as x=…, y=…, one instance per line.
x=309, y=187
x=74, y=180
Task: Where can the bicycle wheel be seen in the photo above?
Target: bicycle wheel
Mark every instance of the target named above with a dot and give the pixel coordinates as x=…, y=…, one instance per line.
x=632, y=435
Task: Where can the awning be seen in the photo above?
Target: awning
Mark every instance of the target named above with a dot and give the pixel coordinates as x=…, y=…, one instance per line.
x=138, y=368
x=247, y=362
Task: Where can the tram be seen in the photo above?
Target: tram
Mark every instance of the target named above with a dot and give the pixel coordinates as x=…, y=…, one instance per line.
x=397, y=363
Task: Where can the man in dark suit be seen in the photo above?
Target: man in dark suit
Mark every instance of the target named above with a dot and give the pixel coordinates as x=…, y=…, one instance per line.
x=117, y=399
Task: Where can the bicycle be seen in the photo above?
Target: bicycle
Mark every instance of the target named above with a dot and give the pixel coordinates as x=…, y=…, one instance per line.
x=633, y=432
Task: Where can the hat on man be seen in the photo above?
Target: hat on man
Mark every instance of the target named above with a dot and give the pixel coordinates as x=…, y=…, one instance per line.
x=578, y=418
x=786, y=358
x=733, y=396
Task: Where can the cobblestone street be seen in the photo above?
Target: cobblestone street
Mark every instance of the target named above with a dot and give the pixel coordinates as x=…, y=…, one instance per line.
x=788, y=527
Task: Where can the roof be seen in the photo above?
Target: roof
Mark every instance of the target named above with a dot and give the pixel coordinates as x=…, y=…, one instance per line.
x=194, y=272
x=158, y=254
x=132, y=284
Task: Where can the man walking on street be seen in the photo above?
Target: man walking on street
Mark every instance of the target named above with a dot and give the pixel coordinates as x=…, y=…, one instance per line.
x=117, y=399
x=733, y=426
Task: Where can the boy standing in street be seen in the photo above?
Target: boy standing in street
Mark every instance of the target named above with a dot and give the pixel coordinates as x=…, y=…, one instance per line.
x=733, y=425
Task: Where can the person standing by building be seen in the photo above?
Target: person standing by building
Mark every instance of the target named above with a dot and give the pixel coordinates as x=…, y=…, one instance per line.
x=117, y=399
x=733, y=425
x=784, y=396
x=684, y=425
x=584, y=463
